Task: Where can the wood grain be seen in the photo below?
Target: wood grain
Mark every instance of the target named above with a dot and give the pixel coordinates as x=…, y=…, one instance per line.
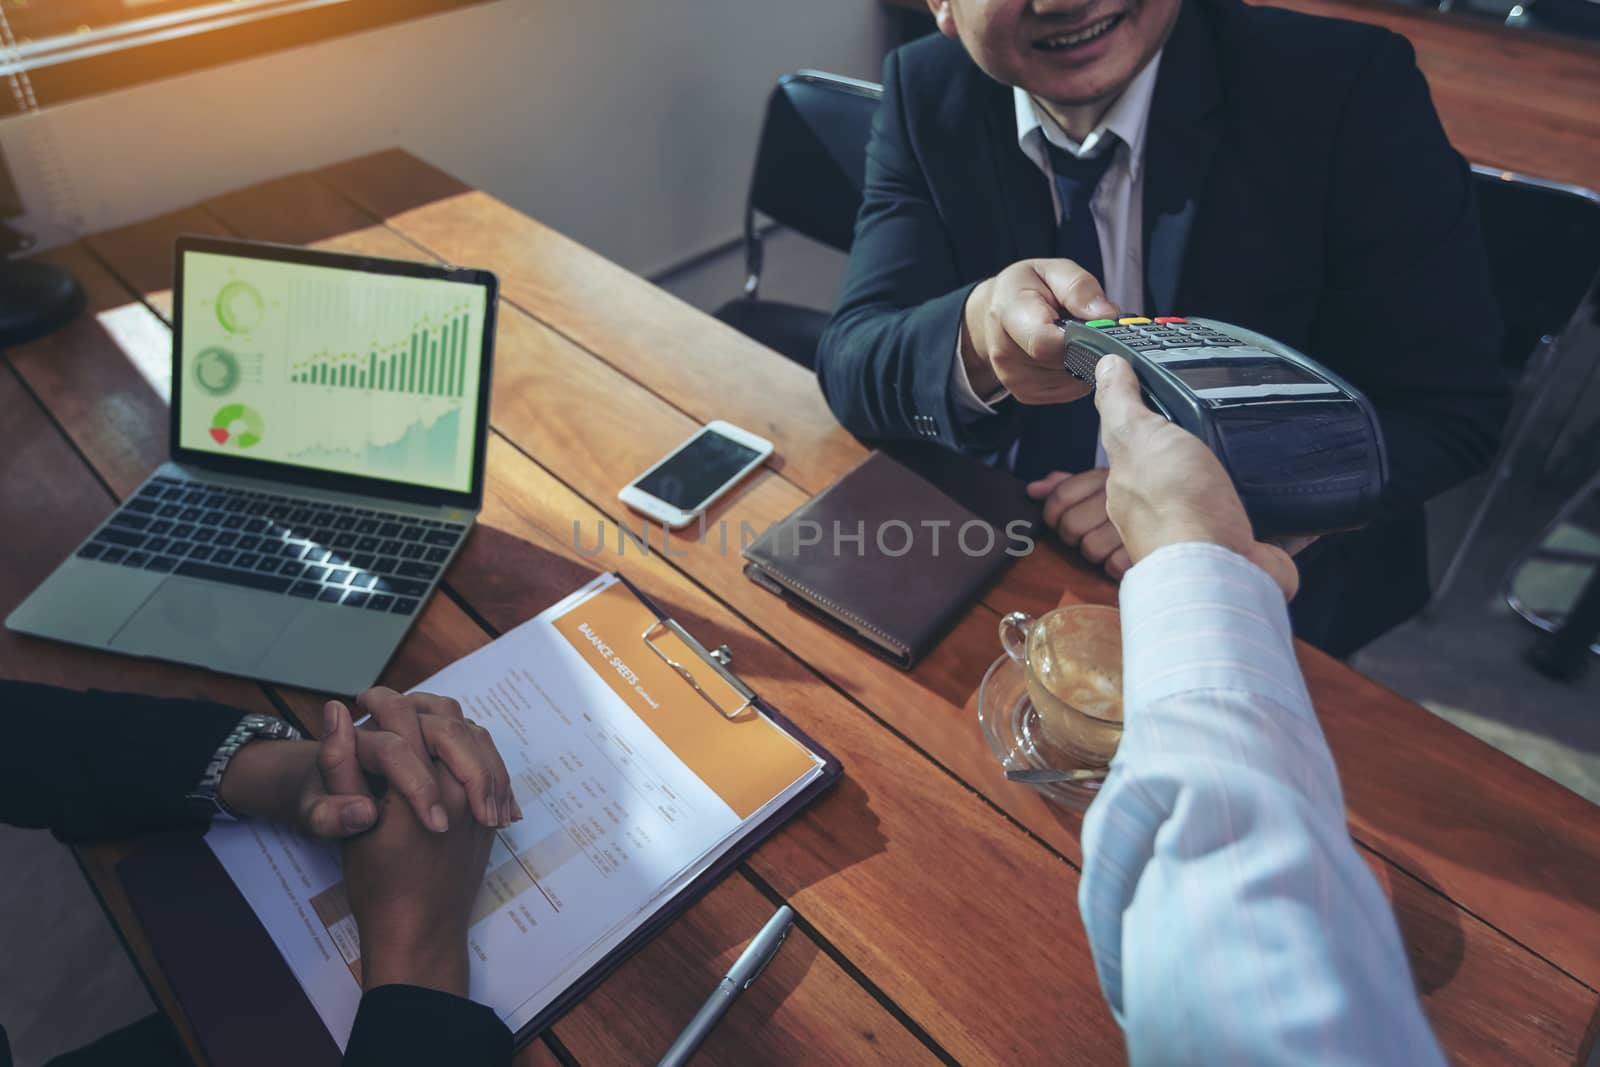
x=106, y=375
x=298, y=209
x=444, y=634
x=546, y=394
x=1531, y=884
x=767, y=1023
x=536, y=1054
x=839, y=1018
x=847, y=862
x=1477, y=983
x=1476, y=980
x=948, y=733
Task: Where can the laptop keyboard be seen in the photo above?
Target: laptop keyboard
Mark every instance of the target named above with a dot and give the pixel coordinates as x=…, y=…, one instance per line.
x=373, y=560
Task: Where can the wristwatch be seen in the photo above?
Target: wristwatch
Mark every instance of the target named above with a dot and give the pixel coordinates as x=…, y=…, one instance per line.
x=252, y=727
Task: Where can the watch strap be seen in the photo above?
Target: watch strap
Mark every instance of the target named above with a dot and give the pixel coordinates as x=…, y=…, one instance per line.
x=250, y=727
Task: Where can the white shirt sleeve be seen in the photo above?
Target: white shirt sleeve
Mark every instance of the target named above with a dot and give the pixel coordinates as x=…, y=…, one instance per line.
x=968, y=405
x=1230, y=916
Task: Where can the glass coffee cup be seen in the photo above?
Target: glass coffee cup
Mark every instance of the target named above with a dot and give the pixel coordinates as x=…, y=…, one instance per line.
x=1072, y=661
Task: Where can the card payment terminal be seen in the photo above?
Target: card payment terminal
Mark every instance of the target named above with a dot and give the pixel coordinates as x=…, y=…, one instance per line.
x=1302, y=445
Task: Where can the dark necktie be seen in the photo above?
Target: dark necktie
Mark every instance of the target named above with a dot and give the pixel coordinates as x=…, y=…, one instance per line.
x=1062, y=437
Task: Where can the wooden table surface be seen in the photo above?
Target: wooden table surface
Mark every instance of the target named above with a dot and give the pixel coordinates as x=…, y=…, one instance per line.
x=1519, y=100
x=937, y=902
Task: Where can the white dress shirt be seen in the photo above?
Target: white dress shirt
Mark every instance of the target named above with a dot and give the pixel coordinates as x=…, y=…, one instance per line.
x=1230, y=916
x=1117, y=204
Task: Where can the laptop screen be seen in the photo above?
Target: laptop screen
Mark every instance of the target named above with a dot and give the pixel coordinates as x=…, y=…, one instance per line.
x=343, y=371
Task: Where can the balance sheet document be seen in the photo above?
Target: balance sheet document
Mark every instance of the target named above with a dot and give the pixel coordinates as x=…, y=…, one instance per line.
x=630, y=781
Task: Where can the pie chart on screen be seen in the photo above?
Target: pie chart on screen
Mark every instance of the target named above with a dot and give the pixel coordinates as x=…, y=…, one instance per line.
x=216, y=370
x=237, y=426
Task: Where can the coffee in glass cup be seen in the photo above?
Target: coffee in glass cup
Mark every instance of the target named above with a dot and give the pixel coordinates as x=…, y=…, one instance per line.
x=1072, y=660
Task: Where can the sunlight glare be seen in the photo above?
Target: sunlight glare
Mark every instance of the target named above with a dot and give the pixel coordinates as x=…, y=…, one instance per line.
x=145, y=340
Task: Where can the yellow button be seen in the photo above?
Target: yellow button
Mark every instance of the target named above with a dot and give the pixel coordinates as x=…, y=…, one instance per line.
x=1133, y=321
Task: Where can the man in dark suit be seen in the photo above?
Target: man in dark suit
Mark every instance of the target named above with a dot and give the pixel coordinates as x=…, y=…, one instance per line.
x=102, y=766
x=1204, y=157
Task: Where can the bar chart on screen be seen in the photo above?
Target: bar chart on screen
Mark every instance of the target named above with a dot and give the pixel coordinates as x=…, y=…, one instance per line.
x=372, y=375
x=430, y=361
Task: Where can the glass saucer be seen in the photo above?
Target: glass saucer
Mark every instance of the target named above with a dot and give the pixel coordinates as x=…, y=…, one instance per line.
x=1011, y=727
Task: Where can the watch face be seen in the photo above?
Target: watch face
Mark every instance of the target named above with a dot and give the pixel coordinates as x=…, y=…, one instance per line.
x=269, y=726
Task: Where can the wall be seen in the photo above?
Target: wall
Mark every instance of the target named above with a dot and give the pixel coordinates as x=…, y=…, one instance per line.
x=629, y=124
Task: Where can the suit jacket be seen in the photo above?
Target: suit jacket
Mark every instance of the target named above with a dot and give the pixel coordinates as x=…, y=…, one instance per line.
x=1297, y=182
x=100, y=766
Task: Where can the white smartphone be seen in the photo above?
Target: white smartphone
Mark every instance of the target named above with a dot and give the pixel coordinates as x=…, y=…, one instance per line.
x=693, y=476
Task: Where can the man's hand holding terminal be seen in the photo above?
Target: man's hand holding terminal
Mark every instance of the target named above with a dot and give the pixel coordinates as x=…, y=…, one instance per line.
x=1009, y=335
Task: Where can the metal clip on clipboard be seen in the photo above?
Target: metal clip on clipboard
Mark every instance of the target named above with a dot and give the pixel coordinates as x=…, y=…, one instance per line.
x=718, y=661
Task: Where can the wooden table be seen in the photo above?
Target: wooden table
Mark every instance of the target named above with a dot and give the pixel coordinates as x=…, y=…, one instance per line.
x=1524, y=101
x=937, y=902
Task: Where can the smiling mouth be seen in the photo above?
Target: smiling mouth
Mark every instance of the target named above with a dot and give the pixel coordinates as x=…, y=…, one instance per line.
x=1062, y=42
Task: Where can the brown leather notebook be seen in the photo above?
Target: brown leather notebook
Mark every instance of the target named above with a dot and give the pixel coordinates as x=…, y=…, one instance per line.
x=889, y=559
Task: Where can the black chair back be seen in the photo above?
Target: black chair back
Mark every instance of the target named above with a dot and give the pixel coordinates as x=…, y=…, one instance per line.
x=812, y=158
x=1543, y=241
x=1544, y=251
x=1574, y=18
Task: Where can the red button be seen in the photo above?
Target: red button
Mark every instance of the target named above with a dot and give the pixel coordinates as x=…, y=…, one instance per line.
x=1171, y=318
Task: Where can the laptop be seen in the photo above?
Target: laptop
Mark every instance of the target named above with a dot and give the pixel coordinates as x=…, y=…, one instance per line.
x=329, y=421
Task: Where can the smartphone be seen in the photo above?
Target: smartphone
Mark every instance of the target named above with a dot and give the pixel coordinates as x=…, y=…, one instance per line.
x=693, y=476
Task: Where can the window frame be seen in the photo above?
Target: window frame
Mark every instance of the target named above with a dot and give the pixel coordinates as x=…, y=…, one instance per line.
x=142, y=63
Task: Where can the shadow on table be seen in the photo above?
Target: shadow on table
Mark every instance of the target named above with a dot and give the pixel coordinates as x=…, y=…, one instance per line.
x=507, y=580
x=763, y=1001
x=1429, y=925
x=638, y=1010
x=390, y=182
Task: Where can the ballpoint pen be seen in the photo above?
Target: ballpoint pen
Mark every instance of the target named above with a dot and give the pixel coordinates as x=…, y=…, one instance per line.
x=751, y=962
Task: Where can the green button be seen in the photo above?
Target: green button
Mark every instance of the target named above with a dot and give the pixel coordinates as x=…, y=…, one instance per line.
x=1097, y=323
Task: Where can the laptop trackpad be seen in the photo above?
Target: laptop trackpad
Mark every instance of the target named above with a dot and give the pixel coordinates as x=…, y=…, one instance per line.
x=222, y=627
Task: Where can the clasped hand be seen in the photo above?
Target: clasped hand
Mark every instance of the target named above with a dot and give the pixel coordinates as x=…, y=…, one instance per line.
x=412, y=795
x=330, y=789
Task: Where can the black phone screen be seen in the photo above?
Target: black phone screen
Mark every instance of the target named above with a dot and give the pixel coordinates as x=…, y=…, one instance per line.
x=697, y=470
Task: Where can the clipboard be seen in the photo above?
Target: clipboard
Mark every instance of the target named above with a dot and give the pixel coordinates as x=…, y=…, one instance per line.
x=246, y=1006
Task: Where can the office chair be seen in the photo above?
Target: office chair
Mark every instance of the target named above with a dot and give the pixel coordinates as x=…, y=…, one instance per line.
x=810, y=166
x=1576, y=18
x=1570, y=627
x=1543, y=240
x=1544, y=252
